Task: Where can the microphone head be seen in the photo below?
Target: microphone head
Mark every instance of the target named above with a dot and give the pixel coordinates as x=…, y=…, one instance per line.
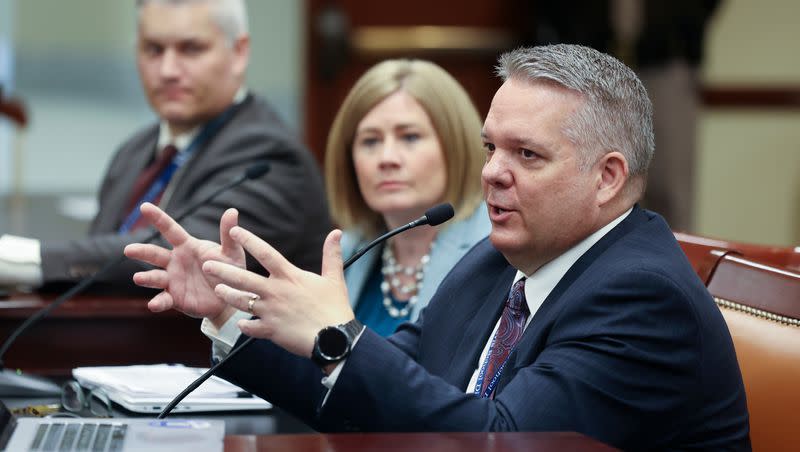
x=257, y=170
x=437, y=215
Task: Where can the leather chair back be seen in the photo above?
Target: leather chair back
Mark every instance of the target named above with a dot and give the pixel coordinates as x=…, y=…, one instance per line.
x=761, y=305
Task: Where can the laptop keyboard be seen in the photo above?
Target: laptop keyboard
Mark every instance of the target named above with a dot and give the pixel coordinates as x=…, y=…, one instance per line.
x=84, y=436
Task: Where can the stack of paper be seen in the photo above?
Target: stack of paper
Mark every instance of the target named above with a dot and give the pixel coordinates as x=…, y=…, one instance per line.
x=157, y=380
x=148, y=388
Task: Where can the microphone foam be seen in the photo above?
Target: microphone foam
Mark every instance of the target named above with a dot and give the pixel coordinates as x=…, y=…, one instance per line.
x=257, y=170
x=437, y=215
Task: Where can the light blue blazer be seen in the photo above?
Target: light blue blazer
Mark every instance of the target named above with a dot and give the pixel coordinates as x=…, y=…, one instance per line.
x=450, y=245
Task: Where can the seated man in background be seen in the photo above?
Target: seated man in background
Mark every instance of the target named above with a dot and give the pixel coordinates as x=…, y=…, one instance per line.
x=579, y=313
x=192, y=56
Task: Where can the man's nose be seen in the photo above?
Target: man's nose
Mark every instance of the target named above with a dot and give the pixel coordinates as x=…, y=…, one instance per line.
x=496, y=170
x=170, y=63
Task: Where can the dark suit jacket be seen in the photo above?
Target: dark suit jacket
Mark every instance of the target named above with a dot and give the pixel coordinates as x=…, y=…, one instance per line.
x=628, y=348
x=285, y=207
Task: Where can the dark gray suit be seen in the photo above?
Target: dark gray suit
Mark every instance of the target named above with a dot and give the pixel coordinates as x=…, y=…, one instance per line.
x=285, y=207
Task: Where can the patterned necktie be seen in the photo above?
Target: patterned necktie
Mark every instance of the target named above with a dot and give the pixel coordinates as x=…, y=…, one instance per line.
x=146, y=179
x=512, y=325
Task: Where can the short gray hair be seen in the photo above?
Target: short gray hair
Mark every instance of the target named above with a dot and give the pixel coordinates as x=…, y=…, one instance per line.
x=617, y=114
x=230, y=15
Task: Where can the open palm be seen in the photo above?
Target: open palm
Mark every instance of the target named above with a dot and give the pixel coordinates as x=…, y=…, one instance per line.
x=185, y=287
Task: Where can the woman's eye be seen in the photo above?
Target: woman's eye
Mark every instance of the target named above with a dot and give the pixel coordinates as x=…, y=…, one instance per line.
x=410, y=137
x=368, y=142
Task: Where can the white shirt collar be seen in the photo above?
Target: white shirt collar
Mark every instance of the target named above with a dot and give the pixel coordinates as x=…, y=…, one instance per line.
x=181, y=141
x=539, y=285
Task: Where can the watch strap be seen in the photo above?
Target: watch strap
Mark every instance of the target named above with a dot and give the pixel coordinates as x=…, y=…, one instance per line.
x=352, y=329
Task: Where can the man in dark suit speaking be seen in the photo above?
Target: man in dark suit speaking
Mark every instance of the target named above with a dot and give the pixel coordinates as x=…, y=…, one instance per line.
x=578, y=313
x=192, y=56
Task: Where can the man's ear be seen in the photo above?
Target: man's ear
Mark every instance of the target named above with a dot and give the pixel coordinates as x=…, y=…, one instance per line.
x=241, y=51
x=613, y=174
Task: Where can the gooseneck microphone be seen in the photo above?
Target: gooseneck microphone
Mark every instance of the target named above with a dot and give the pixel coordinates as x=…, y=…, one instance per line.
x=434, y=216
x=15, y=384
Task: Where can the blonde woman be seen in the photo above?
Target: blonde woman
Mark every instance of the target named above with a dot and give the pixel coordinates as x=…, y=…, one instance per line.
x=406, y=138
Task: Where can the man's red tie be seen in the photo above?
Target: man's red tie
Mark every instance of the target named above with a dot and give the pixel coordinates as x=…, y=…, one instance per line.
x=512, y=325
x=146, y=179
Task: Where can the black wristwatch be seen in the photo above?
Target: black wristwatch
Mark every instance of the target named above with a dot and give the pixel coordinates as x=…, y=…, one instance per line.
x=333, y=343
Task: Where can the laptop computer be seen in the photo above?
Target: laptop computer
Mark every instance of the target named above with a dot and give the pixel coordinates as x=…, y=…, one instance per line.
x=112, y=434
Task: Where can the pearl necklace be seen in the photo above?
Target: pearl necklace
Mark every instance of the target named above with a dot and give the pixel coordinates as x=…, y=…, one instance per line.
x=391, y=271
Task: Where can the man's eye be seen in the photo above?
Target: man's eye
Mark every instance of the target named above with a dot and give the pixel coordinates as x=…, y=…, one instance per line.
x=191, y=48
x=153, y=49
x=489, y=147
x=528, y=154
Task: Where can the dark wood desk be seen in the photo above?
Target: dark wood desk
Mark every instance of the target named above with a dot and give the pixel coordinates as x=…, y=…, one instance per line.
x=95, y=330
x=439, y=442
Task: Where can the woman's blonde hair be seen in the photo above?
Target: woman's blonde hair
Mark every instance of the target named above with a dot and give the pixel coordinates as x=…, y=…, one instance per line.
x=452, y=114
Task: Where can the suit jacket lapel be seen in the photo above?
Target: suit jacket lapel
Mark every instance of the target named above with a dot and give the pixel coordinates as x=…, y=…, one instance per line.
x=535, y=335
x=123, y=187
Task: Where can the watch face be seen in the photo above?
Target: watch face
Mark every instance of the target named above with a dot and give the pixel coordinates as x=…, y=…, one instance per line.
x=333, y=343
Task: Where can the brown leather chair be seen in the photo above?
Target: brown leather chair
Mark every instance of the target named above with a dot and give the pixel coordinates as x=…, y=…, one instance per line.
x=697, y=248
x=761, y=304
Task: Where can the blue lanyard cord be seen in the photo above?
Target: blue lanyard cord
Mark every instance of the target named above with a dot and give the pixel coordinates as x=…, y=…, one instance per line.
x=482, y=372
x=180, y=158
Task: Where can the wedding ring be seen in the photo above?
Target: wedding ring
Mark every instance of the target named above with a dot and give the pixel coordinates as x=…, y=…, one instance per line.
x=251, y=303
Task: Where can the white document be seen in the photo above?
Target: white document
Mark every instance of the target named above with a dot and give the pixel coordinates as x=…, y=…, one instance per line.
x=148, y=388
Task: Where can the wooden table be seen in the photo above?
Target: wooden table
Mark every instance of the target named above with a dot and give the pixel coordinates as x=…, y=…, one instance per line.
x=439, y=442
x=94, y=330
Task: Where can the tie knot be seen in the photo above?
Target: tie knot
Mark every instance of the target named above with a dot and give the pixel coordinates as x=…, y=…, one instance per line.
x=167, y=153
x=516, y=298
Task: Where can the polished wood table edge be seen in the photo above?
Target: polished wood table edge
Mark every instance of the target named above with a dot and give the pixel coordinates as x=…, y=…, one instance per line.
x=485, y=442
x=19, y=304
x=95, y=329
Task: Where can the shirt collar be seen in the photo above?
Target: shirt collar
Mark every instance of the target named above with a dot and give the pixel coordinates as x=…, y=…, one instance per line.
x=539, y=285
x=181, y=141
